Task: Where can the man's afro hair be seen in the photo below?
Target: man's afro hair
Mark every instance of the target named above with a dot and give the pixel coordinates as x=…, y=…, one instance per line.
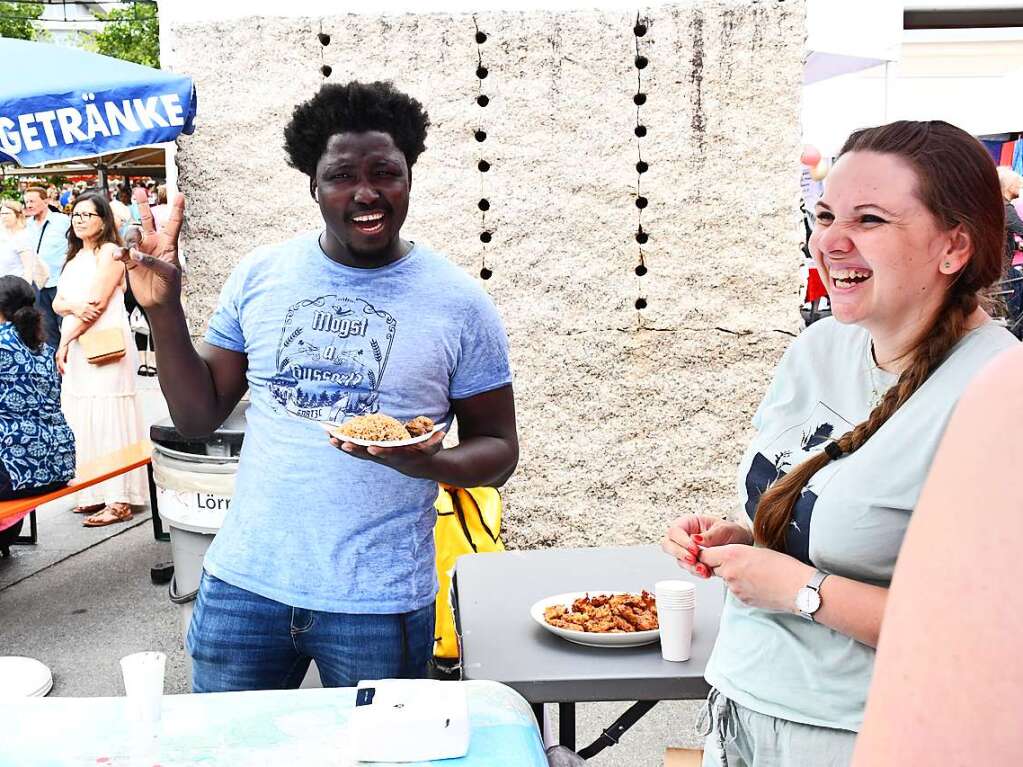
x=354, y=107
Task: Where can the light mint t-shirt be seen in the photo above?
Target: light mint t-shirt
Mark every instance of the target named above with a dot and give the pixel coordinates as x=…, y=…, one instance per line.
x=850, y=520
x=309, y=525
x=49, y=240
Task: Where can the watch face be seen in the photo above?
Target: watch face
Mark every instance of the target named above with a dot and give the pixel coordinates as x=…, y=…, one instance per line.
x=807, y=600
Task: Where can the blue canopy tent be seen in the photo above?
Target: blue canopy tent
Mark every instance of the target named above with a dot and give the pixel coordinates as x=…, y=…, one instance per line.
x=59, y=104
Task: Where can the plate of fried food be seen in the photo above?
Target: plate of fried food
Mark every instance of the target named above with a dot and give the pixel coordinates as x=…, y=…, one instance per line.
x=380, y=430
x=600, y=618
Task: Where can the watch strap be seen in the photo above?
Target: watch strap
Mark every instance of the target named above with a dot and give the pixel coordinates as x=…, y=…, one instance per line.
x=817, y=580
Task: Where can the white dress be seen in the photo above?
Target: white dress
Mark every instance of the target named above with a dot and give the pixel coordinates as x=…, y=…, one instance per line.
x=99, y=401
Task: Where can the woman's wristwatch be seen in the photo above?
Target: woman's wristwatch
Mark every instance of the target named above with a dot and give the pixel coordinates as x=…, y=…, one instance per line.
x=808, y=598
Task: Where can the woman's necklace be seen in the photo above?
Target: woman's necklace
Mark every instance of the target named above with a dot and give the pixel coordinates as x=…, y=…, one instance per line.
x=877, y=391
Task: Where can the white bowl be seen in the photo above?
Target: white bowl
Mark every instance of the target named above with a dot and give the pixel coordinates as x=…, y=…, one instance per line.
x=591, y=639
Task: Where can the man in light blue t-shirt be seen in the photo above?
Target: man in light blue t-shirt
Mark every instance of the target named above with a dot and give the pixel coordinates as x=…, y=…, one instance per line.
x=47, y=232
x=327, y=553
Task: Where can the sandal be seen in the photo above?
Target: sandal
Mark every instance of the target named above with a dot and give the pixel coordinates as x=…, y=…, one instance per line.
x=116, y=512
x=88, y=509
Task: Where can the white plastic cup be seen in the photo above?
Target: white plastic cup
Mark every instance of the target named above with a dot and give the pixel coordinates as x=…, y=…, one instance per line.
x=143, y=685
x=676, y=608
x=675, y=594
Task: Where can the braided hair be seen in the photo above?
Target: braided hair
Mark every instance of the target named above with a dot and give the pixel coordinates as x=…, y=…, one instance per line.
x=17, y=305
x=958, y=184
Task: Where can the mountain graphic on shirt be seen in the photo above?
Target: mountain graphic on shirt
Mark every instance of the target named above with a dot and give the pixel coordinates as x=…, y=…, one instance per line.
x=331, y=358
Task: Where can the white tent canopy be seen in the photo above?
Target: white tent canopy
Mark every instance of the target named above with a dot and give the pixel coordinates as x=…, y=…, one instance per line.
x=845, y=36
x=968, y=77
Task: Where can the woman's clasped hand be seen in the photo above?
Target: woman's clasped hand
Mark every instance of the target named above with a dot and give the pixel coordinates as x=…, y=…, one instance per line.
x=710, y=546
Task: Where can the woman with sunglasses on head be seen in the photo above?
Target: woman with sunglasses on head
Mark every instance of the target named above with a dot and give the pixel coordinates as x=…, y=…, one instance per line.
x=98, y=397
x=909, y=236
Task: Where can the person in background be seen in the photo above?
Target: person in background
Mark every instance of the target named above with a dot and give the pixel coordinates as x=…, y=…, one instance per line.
x=47, y=233
x=161, y=211
x=65, y=195
x=53, y=199
x=909, y=236
x=120, y=204
x=1011, y=183
x=37, y=449
x=948, y=682
x=17, y=256
x=99, y=400
x=353, y=585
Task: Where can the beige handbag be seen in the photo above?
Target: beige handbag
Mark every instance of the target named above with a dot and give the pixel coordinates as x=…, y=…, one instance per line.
x=102, y=346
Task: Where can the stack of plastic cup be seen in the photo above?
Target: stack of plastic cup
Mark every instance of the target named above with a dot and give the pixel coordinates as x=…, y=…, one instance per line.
x=143, y=685
x=676, y=605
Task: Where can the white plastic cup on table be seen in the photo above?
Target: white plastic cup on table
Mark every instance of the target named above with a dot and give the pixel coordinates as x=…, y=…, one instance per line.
x=676, y=608
x=143, y=685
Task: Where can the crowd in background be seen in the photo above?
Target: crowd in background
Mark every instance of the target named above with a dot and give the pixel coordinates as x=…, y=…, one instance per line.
x=68, y=352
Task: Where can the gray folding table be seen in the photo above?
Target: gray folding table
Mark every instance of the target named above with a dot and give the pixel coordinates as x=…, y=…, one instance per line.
x=501, y=642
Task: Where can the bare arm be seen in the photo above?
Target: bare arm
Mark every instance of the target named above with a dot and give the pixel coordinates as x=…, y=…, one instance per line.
x=27, y=258
x=488, y=442
x=948, y=682
x=851, y=608
x=62, y=306
x=201, y=388
x=769, y=579
x=486, y=454
x=109, y=276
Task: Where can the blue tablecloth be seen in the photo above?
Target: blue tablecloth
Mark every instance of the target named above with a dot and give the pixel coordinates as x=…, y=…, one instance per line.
x=292, y=728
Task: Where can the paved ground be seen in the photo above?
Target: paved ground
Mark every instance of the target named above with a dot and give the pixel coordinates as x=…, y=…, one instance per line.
x=82, y=598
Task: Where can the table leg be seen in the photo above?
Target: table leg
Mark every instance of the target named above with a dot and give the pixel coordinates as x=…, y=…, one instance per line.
x=540, y=723
x=566, y=725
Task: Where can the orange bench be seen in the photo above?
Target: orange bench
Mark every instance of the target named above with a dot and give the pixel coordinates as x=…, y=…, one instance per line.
x=92, y=473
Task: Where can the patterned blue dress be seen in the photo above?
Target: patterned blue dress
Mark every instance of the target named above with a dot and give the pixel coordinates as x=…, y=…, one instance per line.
x=37, y=447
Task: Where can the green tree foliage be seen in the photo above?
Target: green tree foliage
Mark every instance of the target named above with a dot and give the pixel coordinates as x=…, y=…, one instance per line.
x=16, y=20
x=131, y=33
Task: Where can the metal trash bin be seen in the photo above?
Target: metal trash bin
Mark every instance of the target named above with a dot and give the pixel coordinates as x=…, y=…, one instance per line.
x=194, y=486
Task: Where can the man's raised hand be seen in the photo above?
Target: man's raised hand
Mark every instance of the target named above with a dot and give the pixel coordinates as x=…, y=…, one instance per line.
x=151, y=259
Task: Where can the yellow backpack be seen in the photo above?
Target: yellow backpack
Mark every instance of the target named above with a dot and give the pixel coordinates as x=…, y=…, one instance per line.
x=468, y=522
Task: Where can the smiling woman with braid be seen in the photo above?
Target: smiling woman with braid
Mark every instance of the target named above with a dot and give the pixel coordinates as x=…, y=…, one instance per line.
x=909, y=236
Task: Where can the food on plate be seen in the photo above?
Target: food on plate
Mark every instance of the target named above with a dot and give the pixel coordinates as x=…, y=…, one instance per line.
x=419, y=426
x=376, y=427
x=606, y=613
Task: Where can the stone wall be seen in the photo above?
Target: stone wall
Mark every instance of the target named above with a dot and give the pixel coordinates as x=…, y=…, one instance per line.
x=634, y=390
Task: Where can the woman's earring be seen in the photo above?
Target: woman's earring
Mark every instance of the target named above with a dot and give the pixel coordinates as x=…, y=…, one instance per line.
x=948, y=264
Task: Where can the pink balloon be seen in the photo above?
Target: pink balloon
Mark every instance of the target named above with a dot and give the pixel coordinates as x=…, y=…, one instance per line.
x=810, y=156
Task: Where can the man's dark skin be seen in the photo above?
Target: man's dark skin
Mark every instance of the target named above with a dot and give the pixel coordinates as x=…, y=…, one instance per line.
x=359, y=174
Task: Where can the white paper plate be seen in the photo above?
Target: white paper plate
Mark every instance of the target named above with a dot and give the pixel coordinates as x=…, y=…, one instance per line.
x=329, y=428
x=624, y=639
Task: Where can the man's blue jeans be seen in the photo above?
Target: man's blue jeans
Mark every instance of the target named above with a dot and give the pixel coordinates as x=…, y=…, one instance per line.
x=51, y=320
x=242, y=641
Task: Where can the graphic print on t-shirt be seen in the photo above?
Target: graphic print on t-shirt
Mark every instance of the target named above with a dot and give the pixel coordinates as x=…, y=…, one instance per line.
x=789, y=449
x=331, y=358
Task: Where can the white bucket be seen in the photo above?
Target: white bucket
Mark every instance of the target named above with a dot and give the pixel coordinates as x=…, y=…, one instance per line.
x=194, y=495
